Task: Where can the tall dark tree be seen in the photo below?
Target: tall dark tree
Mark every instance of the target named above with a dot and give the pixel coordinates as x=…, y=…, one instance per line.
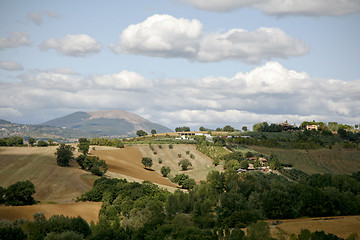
x=31, y=141
x=64, y=154
x=84, y=146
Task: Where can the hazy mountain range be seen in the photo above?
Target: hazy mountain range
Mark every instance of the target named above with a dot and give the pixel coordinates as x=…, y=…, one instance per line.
x=111, y=124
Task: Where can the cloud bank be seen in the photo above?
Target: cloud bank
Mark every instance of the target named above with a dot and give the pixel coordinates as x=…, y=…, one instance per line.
x=80, y=45
x=281, y=8
x=267, y=93
x=170, y=37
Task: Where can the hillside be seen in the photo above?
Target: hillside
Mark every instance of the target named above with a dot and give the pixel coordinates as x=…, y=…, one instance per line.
x=106, y=123
x=109, y=124
x=332, y=161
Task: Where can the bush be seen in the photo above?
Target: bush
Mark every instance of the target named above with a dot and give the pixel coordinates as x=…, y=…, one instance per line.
x=64, y=154
x=42, y=143
x=171, y=146
x=93, y=164
x=160, y=161
x=165, y=171
x=184, y=163
x=20, y=193
x=147, y=162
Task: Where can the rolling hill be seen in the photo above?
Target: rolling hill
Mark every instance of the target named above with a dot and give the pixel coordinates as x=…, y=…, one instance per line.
x=83, y=124
x=106, y=123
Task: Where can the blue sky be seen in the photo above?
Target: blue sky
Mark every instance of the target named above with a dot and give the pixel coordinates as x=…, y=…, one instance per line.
x=182, y=62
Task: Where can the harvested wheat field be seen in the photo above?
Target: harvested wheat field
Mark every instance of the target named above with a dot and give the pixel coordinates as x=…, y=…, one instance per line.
x=127, y=162
x=87, y=210
x=38, y=164
x=342, y=226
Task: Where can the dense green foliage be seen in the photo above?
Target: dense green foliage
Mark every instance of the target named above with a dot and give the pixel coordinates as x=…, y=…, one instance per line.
x=219, y=206
x=11, y=141
x=141, y=133
x=84, y=146
x=18, y=194
x=42, y=143
x=64, y=154
x=182, y=129
x=184, y=163
x=115, y=142
x=93, y=164
x=56, y=227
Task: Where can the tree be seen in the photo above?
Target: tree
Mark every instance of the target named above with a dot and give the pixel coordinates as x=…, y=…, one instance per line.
x=228, y=128
x=20, y=193
x=64, y=155
x=51, y=142
x=182, y=129
x=202, y=129
x=141, y=133
x=84, y=145
x=153, y=131
x=184, y=163
x=244, y=164
x=165, y=171
x=42, y=143
x=147, y=162
x=244, y=128
x=31, y=141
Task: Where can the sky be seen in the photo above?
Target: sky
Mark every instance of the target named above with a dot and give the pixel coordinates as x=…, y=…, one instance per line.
x=182, y=62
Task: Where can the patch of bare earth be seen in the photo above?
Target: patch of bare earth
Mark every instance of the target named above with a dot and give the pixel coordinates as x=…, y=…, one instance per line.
x=53, y=183
x=87, y=210
x=126, y=163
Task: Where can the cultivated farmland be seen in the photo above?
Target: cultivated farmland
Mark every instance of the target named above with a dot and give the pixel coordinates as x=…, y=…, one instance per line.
x=332, y=161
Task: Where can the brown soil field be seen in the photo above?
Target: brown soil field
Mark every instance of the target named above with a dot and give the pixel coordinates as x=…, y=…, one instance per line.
x=201, y=164
x=127, y=162
x=87, y=210
x=52, y=182
x=342, y=226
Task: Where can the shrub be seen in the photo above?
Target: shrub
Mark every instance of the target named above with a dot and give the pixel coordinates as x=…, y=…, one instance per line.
x=179, y=155
x=42, y=143
x=171, y=146
x=20, y=193
x=165, y=171
x=184, y=163
x=160, y=161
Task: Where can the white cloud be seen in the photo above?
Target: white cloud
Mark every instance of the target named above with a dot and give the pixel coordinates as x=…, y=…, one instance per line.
x=269, y=93
x=281, y=7
x=161, y=36
x=80, y=45
x=52, y=14
x=124, y=80
x=15, y=39
x=169, y=37
x=11, y=66
x=250, y=47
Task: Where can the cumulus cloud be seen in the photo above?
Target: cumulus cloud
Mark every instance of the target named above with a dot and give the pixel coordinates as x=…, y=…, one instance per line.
x=15, y=39
x=80, y=45
x=124, y=80
x=250, y=47
x=161, y=36
x=169, y=37
x=269, y=93
x=11, y=66
x=281, y=8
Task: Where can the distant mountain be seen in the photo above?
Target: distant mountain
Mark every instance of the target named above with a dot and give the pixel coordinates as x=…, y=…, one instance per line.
x=106, y=123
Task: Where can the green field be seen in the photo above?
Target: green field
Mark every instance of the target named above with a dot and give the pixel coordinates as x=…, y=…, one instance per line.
x=333, y=161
